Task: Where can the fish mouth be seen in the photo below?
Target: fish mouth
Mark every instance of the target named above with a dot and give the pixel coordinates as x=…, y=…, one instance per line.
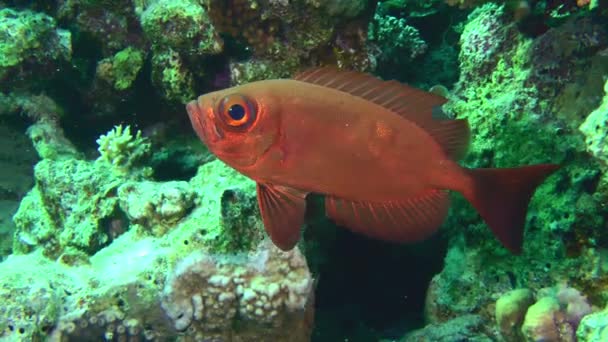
x=205, y=127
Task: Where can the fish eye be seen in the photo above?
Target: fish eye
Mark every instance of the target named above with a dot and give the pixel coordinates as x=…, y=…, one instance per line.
x=237, y=111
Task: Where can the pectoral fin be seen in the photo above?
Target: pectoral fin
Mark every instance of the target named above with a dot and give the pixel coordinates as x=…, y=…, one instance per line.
x=282, y=209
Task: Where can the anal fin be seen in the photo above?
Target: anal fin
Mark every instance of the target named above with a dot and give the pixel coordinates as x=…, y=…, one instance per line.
x=411, y=219
x=282, y=209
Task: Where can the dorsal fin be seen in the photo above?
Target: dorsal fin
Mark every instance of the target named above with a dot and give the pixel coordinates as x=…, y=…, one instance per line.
x=410, y=103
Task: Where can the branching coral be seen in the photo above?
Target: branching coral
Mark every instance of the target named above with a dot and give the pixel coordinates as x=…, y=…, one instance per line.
x=122, y=149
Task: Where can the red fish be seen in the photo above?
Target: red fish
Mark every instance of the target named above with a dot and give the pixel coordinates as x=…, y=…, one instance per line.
x=373, y=148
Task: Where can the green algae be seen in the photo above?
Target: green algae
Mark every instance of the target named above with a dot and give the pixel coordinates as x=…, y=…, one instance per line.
x=66, y=208
x=400, y=44
x=32, y=37
x=179, y=24
x=172, y=77
x=121, y=69
x=514, y=122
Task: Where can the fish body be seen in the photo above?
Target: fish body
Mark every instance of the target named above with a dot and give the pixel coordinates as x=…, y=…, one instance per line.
x=324, y=151
x=373, y=148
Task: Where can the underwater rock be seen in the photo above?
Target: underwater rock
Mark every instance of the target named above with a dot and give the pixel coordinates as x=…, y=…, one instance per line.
x=556, y=315
x=109, y=26
x=17, y=157
x=464, y=328
x=595, y=129
x=115, y=290
x=31, y=305
x=399, y=43
x=259, y=69
x=66, y=208
x=121, y=69
x=179, y=32
x=169, y=74
x=487, y=35
x=50, y=142
x=594, y=327
x=269, y=293
x=542, y=322
x=226, y=217
x=513, y=123
x=558, y=56
x=511, y=309
x=156, y=206
x=78, y=206
x=182, y=26
x=286, y=36
x=31, y=46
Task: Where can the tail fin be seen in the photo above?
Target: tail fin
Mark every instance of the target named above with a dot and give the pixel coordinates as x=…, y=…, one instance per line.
x=501, y=196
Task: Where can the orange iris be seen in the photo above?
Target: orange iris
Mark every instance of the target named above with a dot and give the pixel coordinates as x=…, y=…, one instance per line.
x=237, y=111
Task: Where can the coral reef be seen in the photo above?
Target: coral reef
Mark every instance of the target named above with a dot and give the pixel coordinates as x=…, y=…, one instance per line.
x=503, y=98
x=554, y=316
x=156, y=206
x=398, y=42
x=142, y=243
x=464, y=328
x=593, y=327
x=109, y=242
x=118, y=294
x=205, y=295
x=511, y=309
x=596, y=132
x=121, y=69
x=30, y=45
x=63, y=213
x=284, y=36
x=182, y=26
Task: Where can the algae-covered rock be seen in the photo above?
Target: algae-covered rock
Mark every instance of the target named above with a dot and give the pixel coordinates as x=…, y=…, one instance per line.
x=66, y=208
x=50, y=142
x=156, y=206
x=595, y=129
x=513, y=122
x=29, y=39
x=172, y=77
x=541, y=321
x=593, y=327
x=31, y=305
x=211, y=253
x=206, y=295
x=511, y=309
x=182, y=26
x=400, y=44
x=121, y=69
x=463, y=328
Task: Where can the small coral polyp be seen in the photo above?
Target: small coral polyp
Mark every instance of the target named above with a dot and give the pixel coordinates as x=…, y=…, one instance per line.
x=122, y=149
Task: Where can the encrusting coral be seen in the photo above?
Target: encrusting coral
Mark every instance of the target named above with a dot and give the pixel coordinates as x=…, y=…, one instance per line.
x=206, y=294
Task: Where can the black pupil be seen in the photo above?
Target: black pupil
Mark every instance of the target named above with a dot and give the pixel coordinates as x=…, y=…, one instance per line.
x=236, y=112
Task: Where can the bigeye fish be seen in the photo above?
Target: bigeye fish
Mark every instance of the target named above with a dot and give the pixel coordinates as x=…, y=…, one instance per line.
x=374, y=149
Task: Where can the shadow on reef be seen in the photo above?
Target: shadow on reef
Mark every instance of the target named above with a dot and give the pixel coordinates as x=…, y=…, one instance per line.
x=367, y=289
